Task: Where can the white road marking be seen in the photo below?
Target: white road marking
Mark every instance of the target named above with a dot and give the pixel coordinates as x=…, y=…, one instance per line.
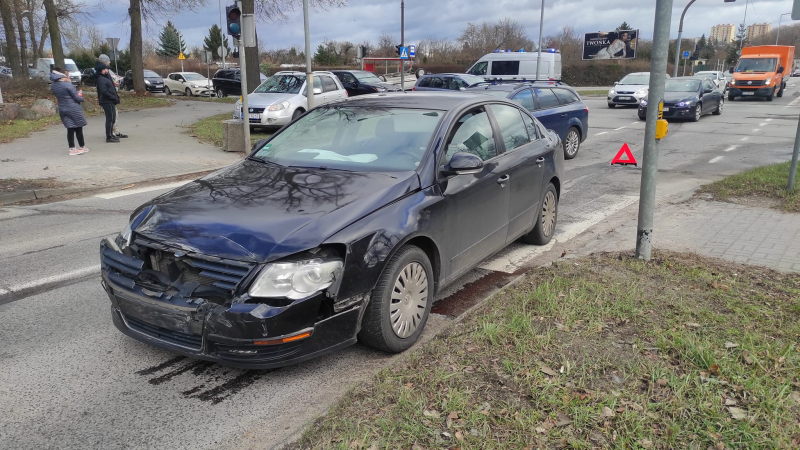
x=768, y=120
x=513, y=260
x=617, y=129
x=731, y=148
x=715, y=159
x=745, y=138
x=756, y=130
x=603, y=132
x=634, y=123
x=116, y=194
x=53, y=279
x=762, y=124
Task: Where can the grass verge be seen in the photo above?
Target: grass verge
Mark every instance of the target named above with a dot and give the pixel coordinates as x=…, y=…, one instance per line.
x=601, y=352
x=593, y=93
x=210, y=130
x=21, y=184
x=16, y=129
x=762, y=182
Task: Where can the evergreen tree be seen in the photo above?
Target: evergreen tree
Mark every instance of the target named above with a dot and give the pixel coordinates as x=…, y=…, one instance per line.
x=326, y=56
x=171, y=42
x=214, y=40
x=738, y=42
x=624, y=26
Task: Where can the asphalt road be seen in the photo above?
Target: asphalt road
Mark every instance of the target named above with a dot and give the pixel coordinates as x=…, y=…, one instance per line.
x=69, y=379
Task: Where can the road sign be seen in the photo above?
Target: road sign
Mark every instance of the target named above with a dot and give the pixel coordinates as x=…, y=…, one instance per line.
x=112, y=42
x=412, y=50
x=686, y=53
x=403, y=52
x=626, y=152
x=181, y=56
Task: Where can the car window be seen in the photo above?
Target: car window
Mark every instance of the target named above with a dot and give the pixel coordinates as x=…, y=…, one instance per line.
x=707, y=84
x=546, y=98
x=347, y=78
x=472, y=134
x=425, y=82
x=453, y=83
x=381, y=139
x=512, y=127
x=479, y=68
x=505, y=67
x=525, y=99
x=287, y=84
x=317, y=82
x=328, y=85
x=438, y=83
x=565, y=96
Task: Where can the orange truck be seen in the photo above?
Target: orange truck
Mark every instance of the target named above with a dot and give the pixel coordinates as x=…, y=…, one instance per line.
x=761, y=72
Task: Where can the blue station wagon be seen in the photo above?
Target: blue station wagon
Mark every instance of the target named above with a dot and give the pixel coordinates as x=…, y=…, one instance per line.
x=558, y=108
x=447, y=81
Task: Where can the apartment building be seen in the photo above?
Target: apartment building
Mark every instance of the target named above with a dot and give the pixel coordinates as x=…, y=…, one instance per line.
x=723, y=33
x=758, y=29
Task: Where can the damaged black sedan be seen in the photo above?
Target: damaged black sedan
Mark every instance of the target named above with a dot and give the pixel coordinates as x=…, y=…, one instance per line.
x=341, y=227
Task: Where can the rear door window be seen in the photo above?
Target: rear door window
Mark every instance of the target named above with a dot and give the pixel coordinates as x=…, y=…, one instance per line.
x=512, y=127
x=328, y=85
x=505, y=67
x=545, y=98
x=525, y=99
x=438, y=83
x=425, y=82
x=565, y=96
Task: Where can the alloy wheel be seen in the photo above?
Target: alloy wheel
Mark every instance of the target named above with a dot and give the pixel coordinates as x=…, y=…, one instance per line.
x=548, y=213
x=220, y=94
x=571, y=143
x=188, y=92
x=409, y=300
x=698, y=110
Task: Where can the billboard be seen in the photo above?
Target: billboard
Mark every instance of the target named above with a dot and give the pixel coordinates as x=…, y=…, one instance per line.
x=619, y=44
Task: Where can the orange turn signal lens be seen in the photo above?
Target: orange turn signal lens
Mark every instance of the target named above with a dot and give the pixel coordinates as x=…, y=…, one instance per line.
x=296, y=337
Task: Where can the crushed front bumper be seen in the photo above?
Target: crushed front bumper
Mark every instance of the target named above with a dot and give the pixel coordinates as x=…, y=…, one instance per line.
x=242, y=335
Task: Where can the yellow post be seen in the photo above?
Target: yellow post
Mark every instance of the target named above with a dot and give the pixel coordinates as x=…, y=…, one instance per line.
x=662, y=128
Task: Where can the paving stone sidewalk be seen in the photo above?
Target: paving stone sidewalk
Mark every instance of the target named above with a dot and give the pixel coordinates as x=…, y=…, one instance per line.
x=738, y=233
x=158, y=146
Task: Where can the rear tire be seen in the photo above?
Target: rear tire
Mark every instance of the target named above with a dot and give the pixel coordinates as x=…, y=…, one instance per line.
x=420, y=72
x=546, y=220
x=395, y=306
x=221, y=93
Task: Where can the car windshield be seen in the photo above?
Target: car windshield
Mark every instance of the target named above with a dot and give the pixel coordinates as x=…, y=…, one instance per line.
x=757, y=65
x=367, y=77
x=150, y=74
x=193, y=77
x=636, y=79
x=72, y=67
x=681, y=85
x=289, y=84
x=358, y=139
x=472, y=79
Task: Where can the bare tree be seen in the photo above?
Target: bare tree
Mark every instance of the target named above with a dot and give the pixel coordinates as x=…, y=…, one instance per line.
x=386, y=43
x=19, y=8
x=477, y=40
x=12, y=50
x=55, y=33
x=568, y=42
x=32, y=7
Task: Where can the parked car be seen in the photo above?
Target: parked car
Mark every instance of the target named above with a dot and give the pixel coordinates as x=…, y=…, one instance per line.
x=630, y=90
x=188, y=84
x=796, y=73
x=360, y=82
x=718, y=77
x=339, y=228
x=447, y=81
x=282, y=98
x=45, y=65
x=518, y=65
x=152, y=81
x=558, y=107
x=5, y=72
x=227, y=82
x=88, y=77
x=688, y=98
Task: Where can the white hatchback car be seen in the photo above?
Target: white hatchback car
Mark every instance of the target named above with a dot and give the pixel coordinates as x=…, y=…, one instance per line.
x=281, y=98
x=188, y=84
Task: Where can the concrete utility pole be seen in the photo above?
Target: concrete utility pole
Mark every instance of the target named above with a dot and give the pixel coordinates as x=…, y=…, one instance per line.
x=539, y=55
x=744, y=22
x=309, y=74
x=779, y=26
x=658, y=75
x=402, y=44
x=243, y=77
x=678, y=43
x=795, y=154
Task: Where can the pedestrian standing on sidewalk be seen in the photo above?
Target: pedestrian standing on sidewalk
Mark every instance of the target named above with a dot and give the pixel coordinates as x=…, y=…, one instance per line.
x=70, y=110
x=103, y=58
x=107, y=97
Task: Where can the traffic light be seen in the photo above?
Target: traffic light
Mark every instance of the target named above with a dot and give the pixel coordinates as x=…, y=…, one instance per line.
x=397, y=49
x=234, y=14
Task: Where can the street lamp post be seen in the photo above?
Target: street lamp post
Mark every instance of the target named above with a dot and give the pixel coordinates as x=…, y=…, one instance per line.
x=678, y=42
x=744, y=22
x=779, y=26
x=539, y=55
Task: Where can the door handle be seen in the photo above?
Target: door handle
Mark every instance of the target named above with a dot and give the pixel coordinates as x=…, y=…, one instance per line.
x=564, y=116
x=503, y=179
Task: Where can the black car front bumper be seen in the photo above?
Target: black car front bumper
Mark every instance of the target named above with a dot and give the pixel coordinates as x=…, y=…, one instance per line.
x=672, y=112
x=734, y=91
x=242, y=335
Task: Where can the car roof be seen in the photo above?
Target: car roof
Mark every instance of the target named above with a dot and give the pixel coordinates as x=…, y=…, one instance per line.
x=183, y=73
x=442, y=101
x=451, y=74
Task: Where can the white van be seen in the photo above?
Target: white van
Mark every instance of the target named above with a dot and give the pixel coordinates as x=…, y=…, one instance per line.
x=45, y=65
x=518, y=65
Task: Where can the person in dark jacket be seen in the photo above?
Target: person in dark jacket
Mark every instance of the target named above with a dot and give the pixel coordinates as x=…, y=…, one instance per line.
x=70, y=110
x=103, y=58
x=107, y=97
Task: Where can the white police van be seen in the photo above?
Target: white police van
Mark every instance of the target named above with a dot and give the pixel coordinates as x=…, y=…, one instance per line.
x=506, y=65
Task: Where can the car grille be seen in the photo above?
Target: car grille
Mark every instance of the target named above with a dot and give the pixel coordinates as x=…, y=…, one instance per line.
x=256, y=353
x=750, y=83
x=625, y=92
x=224, y=275
x=190, y=341
x=256, y=110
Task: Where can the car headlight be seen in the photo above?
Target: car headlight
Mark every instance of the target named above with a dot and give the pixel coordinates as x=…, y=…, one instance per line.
x=611, y=91
x=733, y=83
x=147, y=82
x=644, y=102
x=279, y=106
x=641, y=92
x=768, y=81
x=126, y=234
x=689, y=103
x=296, y=279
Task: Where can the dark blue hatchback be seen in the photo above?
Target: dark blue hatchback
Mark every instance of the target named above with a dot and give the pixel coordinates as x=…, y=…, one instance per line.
x=557, y=106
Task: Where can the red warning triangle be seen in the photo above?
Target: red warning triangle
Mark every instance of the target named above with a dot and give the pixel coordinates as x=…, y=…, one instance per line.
x=626, y=153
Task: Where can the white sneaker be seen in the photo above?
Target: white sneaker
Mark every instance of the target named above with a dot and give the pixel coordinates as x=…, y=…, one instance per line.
x=75, y=151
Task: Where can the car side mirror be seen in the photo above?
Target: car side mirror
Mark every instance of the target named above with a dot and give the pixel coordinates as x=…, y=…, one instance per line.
x=463, y=163
x=780, y=69
x=730, y=70
x=616, y=83
x=707, y=91
x=317, y=91
x=260, y=143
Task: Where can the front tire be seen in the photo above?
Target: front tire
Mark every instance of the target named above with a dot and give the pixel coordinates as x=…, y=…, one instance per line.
x=297, y=113
x=220, y=93
x=718, y=111
x=730, y=97
x=571, y=143
x=188, y=92
x=546, y=220
x=167, y=91
x=400, y=303
x=698, y=111
x=611, y=105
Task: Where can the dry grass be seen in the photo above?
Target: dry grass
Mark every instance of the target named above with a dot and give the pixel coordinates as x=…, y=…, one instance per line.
x=768, y=182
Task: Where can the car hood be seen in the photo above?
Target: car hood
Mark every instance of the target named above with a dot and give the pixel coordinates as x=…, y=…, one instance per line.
x=383, y=85
x=258, y=212
x=266, y=99
x=205, y=83
x=676, y=97
x=630, y=87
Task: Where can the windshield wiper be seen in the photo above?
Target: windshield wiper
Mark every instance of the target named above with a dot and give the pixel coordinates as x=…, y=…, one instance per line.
x=321, y=168
x=253, y=158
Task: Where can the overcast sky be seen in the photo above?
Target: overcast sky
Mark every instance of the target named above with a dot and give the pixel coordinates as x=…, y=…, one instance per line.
x=366, y=19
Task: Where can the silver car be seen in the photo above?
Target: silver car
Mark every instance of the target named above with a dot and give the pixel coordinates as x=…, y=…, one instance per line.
x=630, y=90
x=282, y=97
x=719, y=78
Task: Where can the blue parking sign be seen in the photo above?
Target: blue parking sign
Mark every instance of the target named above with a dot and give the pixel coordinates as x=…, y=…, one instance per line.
x=403, y=52
x=686, y=53
x=412, y=50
